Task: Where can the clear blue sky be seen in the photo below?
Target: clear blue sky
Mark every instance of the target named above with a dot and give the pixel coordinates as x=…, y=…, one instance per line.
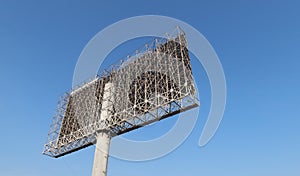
x=258, y=43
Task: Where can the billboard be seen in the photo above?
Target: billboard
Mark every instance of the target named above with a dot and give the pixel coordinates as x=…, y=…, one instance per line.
x=154, y=84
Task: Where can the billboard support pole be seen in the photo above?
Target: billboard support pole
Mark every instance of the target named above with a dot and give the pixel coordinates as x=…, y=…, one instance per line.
x=101, y=154
x=103, y=137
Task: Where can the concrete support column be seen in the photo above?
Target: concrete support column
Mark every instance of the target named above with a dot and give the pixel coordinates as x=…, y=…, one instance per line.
x=103, y=137
x=101, y=154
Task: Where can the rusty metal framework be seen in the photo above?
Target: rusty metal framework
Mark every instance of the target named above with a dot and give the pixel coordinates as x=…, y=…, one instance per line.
x=155, y=83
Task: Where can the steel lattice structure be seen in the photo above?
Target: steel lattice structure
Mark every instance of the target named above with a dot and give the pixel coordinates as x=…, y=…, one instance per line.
x=153, y=84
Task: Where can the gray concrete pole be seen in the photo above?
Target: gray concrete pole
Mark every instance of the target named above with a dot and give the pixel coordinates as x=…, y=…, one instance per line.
x=103, y=137
x=101, y=154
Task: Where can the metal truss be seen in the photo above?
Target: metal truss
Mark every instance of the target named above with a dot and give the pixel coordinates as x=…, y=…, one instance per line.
x=153, y=84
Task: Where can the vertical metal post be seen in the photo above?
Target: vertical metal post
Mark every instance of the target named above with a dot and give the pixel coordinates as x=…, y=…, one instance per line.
x=103, y=137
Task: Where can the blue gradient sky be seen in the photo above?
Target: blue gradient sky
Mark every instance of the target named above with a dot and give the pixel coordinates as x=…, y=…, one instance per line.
x=258, y=43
